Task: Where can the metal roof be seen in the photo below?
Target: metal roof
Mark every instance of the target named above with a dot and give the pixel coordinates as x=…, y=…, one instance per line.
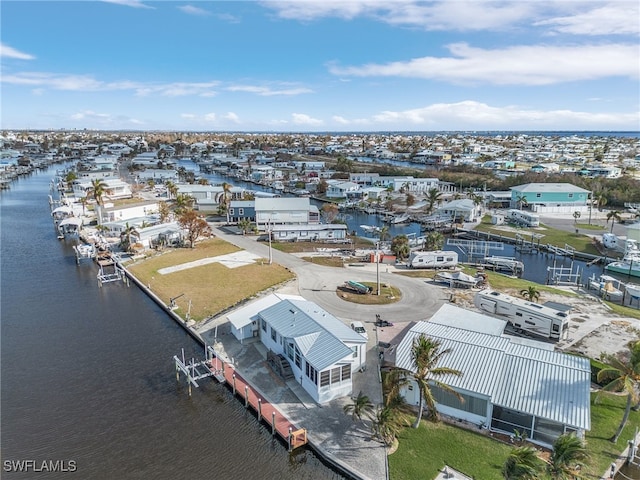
x=460, y=318
x=243, y=316
x=548, y=188
x=282, y=203
x=319, y=335
x=523, y=377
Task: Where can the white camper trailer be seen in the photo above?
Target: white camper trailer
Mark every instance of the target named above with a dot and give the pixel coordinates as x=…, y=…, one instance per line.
x=525, y=219
x=526, y=316
x=433, y=259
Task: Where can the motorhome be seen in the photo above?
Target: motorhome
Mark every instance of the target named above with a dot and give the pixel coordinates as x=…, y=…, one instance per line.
x=522, y=218
x=525, y=316
x=433, y=259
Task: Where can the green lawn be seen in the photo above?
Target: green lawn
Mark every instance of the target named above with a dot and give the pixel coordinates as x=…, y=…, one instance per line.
x=552, y=236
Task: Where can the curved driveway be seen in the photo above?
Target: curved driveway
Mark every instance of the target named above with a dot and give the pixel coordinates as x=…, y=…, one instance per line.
x=318, y=284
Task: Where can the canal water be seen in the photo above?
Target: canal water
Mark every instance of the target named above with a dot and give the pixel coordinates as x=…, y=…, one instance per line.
x=88, y=377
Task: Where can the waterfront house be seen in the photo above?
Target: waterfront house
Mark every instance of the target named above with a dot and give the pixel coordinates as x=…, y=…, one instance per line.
x=110, y=212
x=115, y=188
x=322, y=350
x=342, y=189
x=550, y=197
x=507, y=383
x=285, y=211
x=463, y=209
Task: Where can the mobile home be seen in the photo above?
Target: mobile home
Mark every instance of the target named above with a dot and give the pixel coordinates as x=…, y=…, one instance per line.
x=433, y=259
x=525, y=316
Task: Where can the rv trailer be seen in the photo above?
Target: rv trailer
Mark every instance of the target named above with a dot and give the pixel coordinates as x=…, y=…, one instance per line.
x=525, y=219
x=433, y=259
x=525, y=316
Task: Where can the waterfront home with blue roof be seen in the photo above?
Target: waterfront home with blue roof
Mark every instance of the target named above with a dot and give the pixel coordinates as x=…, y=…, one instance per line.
x=550, y=197
x=322, y=350
x=508, y=383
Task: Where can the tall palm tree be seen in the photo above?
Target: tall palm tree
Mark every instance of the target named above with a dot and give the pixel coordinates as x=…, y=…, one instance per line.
x=224, y=197
x=426, y=354
x=361, y=405
x=625, y=377
x=384, y=233
x=614, y=216
x=433, y=241
x=98, y=190
x=523, y=463
x=565, y=462
x=530, y=293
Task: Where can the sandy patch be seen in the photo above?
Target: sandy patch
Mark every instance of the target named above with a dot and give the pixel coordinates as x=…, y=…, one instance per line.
x=230, y=260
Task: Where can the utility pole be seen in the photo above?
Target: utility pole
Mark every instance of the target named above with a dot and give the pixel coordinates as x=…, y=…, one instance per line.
x=378, y=267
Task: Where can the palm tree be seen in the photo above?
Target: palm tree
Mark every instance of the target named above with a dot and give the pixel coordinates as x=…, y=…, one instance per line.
x=521, y=201
x=400, y=247
x=576, y=216
x=164, y=211
x=601, y=199
x=384, y=233
x=614, y=216
x=126, y=235
x=361, y=406
x=625, y=377
x=425, y=355
x=244, y=224
x=224, y=197
x=433, y=198
x=172, y=189
x=385, y=425
x=433, y=241
x=568, y=453
x=530, y=293
x=523, y=463
x=98, y=189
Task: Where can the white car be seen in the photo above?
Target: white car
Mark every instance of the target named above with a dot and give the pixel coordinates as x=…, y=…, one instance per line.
x=358, y=327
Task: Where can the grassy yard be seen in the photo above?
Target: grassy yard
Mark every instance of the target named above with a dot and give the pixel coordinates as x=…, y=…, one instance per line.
x=423, y=451
x=559, y=238
x=388, y=294
x=211, y=288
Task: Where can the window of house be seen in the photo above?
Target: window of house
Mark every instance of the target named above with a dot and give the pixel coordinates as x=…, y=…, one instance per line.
x=346, y=372
x=571, y=195
x=298, y=359
x=538, y=195
x=273, y=334
x=289, y=350
x=335, y=375
x=325, y=378
x=312, y=373
x=231, y=210
x=264, y=325
x=240, y=212
x=355, y=351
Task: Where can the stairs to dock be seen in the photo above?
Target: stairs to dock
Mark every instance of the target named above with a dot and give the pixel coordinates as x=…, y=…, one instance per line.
x=280, y=365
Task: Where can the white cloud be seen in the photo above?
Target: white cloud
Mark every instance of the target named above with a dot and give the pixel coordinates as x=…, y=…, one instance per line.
x=8, y=52
x=232, y=117
x=267, y=92
x=129, y=3
x=619, y=18
x=303, y=119
x=90, y=115
x=187, y=115
x=516, y=65
x=477, y=115
x=191, y=10
x=210, y=117
x=340, y=120
x=439, y=15
x=87, y=83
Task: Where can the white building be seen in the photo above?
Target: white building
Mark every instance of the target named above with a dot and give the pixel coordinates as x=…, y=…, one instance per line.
x=507, y=383
x=284, y=211
x=323, y=352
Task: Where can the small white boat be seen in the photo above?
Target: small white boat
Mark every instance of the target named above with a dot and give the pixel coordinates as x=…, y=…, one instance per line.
x=504, y=264
x=370, y=228
x=459, y=279
x=633, y=290
x=400, y=219
x=608, y=287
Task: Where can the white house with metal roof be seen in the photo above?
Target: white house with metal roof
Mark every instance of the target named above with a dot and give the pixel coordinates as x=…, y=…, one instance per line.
x=550, y=197
x=284, y=211
x=245, y=320
x=507, y=383
x=323, y=352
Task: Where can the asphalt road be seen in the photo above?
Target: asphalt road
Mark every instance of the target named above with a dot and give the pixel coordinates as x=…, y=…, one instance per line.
x=318, y=284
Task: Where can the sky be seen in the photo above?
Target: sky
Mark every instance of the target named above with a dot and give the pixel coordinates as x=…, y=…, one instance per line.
x=320, y=66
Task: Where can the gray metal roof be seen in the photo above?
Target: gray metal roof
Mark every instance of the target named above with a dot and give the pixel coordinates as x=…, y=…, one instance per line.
x=318, y=334
x=523, y=377
x=458, y=317
x=282, y=203
x=246, y=314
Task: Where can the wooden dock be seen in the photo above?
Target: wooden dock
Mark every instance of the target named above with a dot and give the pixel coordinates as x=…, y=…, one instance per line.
x=224, y=372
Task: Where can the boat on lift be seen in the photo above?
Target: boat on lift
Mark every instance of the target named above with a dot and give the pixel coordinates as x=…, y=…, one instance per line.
x=630, y=263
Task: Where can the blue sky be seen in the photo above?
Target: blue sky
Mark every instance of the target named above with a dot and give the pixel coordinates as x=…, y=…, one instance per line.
x=306, y=66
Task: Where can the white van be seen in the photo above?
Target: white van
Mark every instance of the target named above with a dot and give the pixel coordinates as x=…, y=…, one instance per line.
x=358, y=327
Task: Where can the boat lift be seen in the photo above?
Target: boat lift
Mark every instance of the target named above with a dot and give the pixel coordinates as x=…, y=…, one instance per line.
x=475, y=248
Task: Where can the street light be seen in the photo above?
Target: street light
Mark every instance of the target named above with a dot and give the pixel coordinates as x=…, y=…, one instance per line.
x=378, y=267
x=269, y=230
